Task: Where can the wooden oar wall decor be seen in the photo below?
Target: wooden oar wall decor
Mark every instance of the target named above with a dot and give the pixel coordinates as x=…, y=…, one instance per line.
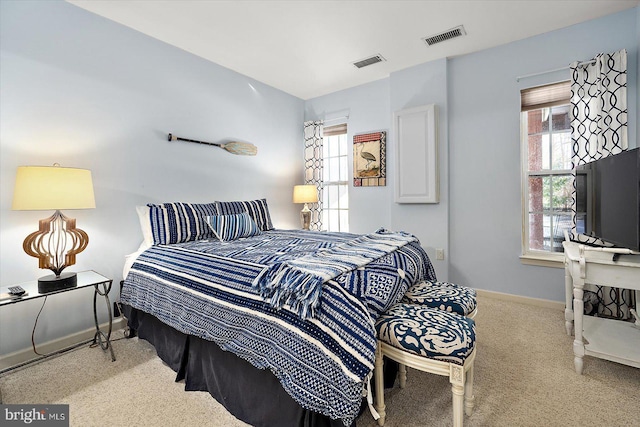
x=234, y=147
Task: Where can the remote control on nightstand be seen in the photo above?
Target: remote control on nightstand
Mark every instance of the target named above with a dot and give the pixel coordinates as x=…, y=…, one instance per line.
x=15, y=293
x=16, y=290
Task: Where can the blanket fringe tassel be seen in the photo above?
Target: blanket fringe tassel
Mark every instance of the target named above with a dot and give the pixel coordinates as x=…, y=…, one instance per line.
x=369, y=395
x=281, y=285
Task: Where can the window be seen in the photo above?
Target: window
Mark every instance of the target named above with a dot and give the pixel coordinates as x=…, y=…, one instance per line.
x=547, y=180
x=335, y=180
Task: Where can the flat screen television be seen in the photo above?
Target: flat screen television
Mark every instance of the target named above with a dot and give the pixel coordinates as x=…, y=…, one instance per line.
x=608, y=199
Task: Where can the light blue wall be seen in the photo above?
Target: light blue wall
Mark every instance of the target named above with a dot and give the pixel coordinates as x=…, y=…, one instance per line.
x=478, y=221
x=484, y=133
x=86, y=92
x=422, y=85
x=369, y=107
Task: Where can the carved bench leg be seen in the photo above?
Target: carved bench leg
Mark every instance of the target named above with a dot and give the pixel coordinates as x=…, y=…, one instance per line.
x=379, y=377
x=458, y=414
x=403, y=375
x=456, y=378
x=468, y=392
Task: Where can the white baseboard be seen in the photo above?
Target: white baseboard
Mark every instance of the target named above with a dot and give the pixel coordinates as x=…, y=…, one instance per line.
x=21, y=356
x=538, y=302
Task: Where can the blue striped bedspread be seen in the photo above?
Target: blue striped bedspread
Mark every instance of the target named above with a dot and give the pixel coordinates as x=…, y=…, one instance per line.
x=205, y=288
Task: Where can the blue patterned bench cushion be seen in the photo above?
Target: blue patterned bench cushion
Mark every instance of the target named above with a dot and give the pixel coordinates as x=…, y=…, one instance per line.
x=443, y=296
x=428, y=332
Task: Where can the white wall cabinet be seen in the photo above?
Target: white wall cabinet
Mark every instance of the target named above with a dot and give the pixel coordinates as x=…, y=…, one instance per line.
x=416, y=147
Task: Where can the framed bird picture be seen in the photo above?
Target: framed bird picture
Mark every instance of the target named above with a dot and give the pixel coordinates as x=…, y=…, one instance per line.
x=370, y=159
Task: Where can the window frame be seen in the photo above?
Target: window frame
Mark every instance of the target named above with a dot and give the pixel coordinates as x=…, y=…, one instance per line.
x=533, y=256
x=338, y=131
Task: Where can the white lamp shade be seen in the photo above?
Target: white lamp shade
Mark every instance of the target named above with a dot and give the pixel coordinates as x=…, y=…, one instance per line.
x=305, y=194
x=53, y=187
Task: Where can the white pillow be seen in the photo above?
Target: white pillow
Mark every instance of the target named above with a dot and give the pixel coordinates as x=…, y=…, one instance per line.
x=145, y=226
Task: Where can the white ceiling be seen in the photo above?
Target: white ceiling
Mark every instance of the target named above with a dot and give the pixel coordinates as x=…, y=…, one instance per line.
x=306, y=48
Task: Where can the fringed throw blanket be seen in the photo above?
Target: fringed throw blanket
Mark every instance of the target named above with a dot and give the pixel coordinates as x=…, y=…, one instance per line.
x=297, y=283
x=205, y=288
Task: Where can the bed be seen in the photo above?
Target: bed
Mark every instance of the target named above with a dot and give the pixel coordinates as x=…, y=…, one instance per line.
x=277, y=325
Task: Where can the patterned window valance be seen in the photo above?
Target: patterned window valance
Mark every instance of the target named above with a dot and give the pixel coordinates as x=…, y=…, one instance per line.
x=335, y=130
x=545, y=96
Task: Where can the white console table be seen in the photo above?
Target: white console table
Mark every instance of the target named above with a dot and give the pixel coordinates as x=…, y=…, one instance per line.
x=615, y=340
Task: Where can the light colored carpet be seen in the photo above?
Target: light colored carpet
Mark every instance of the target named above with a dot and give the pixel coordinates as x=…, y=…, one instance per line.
x=524, y=376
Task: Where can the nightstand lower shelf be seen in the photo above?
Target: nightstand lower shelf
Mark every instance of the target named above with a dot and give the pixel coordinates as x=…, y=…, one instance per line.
x=614, y=340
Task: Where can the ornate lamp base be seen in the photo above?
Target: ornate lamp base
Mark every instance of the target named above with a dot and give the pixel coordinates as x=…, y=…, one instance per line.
x=305, y=217
x=52, y=283
x=56, y=244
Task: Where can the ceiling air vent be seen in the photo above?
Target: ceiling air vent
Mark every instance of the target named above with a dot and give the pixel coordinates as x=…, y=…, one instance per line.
x=447, y=35
x=369, y=61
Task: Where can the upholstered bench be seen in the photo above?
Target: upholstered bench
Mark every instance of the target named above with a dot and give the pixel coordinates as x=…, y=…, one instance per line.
x=429, y=340
x=443, y=296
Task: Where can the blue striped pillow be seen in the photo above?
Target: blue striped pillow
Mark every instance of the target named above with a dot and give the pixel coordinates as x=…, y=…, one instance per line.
x=180, y=222
x=257, y=210
x=232, y=227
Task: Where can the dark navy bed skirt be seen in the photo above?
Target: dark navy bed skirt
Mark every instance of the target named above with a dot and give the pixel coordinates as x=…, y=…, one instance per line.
x=252, y=395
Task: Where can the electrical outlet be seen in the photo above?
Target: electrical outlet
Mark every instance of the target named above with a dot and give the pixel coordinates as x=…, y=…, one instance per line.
x=439, y=254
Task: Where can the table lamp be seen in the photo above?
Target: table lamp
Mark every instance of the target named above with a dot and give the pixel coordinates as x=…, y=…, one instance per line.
x=305, y=194
x=57, y=241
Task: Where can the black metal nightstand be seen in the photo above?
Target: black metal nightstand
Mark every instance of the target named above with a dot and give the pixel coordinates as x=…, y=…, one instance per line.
x=102, y=286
